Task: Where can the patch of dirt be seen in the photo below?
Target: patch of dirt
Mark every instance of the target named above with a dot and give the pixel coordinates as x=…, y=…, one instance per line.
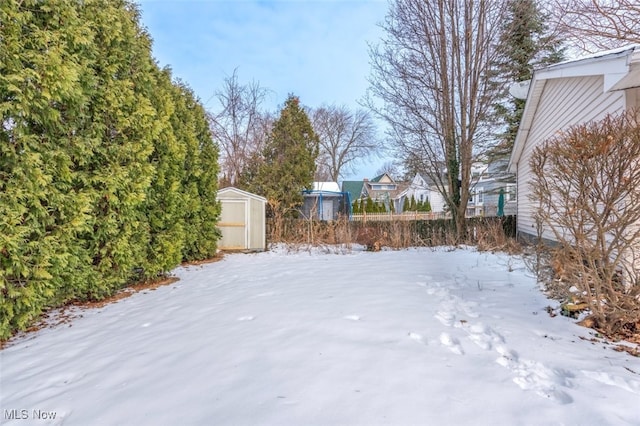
x=124, y=293
x=216, y=258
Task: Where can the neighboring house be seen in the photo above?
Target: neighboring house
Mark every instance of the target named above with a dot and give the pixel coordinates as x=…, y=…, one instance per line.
x=422, y=189
x=486, y=182
x=566, y=94
x=325, y=202
x=382, y=189
x=478, y=188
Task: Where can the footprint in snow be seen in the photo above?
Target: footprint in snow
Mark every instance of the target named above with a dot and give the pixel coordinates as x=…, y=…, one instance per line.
x=452, y=343
x=534, y=376
x=628, y=384
x=447, y=318
x=246, y=318
x=417, y=337
x=352, y=317
x=484, y=336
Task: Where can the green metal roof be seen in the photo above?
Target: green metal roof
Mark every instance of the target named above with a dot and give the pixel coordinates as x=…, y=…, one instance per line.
x=353, y=187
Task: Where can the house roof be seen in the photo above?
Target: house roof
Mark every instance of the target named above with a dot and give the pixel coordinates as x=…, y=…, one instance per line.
x=381, y=177
x=619, y=67
x=353, y=187
x=426, y=178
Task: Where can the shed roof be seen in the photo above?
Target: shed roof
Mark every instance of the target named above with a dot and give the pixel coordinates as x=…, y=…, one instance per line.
x=326, y=186
x=233, y=190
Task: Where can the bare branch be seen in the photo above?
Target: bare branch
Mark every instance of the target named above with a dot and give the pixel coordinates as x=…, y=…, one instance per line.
x=593, y=25
x=346, y=138
x=431, y=73
x=586, y=184
x=239, y=126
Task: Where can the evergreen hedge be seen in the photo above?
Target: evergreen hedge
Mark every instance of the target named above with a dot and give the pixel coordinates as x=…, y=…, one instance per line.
x=107, y=167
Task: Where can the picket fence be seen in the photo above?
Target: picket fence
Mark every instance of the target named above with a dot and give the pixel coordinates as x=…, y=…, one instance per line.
x=388, y=216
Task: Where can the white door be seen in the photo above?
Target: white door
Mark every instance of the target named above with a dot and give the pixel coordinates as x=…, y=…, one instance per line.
x=233, y=225
x=327, y=209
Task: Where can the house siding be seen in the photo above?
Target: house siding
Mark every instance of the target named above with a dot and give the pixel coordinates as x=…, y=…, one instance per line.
x=419, y=187
x=633, y=99
x=564, y=102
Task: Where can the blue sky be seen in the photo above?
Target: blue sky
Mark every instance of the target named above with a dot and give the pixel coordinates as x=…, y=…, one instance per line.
x=316, y=50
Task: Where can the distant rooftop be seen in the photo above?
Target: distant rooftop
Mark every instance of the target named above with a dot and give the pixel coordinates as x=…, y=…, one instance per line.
x=326, y=186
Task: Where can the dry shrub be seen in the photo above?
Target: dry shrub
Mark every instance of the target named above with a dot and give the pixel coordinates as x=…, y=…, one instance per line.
x=586, y=184
x=488, y=234
x=491, y=236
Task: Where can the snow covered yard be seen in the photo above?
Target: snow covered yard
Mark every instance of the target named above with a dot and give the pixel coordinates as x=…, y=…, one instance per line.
x=419, y=336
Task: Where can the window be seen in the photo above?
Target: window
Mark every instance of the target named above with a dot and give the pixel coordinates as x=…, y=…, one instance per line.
x=510, y=192
x=480, y=196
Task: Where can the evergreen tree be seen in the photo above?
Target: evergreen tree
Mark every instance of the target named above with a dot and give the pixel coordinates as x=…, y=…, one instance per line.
x=107, y=168
x=356, y=207
x=288, y=160
x=406, y=206
x=526, y=44
x=369, y=207
x=43, y=96
x=427, y=206
x=120, y=119
x=165, y=199
x=413, y=206
x=200, y=183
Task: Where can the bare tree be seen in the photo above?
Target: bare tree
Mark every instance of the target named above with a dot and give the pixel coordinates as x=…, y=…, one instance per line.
x=585, y=182
x=432, y=72
x=597, y=24
x=392, y=168
x=346, y=138
x=239, y=126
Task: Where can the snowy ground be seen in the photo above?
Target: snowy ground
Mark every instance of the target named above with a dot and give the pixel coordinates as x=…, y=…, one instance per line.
x=425, y=337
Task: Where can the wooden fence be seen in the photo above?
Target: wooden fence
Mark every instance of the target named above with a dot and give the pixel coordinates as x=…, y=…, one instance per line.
x=383, y=217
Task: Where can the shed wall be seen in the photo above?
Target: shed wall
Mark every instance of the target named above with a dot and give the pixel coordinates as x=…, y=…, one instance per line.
x=257, y=229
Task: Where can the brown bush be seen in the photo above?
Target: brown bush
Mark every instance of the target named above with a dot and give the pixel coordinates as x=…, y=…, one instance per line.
x=486, y=233
x=586, y=185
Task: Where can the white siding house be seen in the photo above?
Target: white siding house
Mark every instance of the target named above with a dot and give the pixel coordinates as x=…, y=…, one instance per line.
x=422, y=189
x=567, y=94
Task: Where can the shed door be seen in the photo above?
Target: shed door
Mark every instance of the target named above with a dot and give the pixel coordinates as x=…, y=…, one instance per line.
x=233, y=225
x=327, y=209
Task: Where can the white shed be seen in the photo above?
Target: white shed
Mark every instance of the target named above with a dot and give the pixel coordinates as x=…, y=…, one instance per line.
x=242, y=220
